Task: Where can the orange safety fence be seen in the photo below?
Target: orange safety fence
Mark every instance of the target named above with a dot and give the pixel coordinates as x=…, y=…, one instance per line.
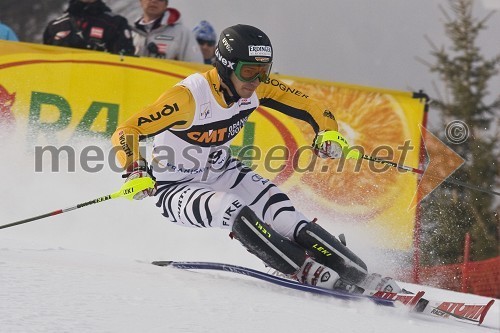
x=481, y=277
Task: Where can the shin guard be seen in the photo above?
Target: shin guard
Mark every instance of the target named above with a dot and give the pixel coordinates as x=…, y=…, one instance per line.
x=329, y=251
x=260, y=239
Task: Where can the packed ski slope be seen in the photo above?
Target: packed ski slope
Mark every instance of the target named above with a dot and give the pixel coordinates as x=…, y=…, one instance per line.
x=88, y=270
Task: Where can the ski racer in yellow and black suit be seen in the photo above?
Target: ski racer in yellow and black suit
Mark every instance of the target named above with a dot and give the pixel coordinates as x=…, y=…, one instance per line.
x=199, y=184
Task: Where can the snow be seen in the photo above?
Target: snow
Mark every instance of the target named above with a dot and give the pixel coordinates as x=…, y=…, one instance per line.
x=89, y=270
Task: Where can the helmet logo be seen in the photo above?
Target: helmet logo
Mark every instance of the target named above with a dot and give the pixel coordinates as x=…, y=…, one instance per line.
x=224, y=61
x=227, y=45
x=260, y=51
x=262, y=59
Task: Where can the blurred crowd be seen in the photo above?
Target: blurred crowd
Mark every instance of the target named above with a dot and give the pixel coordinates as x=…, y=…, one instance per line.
x=158, y=33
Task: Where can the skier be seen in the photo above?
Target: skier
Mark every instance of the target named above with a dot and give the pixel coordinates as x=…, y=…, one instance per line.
x=198, y=183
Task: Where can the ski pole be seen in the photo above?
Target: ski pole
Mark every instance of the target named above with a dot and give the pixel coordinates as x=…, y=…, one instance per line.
x=356, y=154
x=127, y=191
x=393, y=164
x=421, y=172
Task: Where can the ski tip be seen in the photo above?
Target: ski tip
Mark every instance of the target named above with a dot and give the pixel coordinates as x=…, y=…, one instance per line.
x=485, y=311
x=162, y=263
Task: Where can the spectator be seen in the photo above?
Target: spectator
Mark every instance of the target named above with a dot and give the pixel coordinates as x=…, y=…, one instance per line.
x=159, y=33
x=90, y=24
x=206, y=38
x=7, y=33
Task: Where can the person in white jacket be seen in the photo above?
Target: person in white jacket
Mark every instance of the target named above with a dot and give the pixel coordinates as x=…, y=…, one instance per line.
x=160, y=34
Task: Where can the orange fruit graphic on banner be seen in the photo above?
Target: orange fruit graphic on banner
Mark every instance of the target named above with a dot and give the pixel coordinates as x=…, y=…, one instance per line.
x=367, y=119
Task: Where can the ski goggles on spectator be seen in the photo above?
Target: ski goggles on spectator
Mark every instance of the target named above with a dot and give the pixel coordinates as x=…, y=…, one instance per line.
x=208, y=42
x=249, y=71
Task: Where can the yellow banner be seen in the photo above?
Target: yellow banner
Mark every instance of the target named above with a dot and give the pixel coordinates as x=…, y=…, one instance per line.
x=54, y=93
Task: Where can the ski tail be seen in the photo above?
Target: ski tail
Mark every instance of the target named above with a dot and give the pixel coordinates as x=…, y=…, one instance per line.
x=162, y=263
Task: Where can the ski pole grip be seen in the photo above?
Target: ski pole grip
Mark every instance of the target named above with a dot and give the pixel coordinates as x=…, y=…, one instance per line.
x=134, y=186
x=335, y=136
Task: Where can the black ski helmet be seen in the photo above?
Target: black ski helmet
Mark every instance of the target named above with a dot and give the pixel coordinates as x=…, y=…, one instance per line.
x=241, y=43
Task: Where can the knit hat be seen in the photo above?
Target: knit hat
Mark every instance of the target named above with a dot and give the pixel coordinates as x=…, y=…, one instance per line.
x=205, y=31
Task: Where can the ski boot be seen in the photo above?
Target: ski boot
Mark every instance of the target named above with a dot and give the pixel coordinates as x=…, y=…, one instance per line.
x=316, y=274
x=327, y=250
x=332, y=252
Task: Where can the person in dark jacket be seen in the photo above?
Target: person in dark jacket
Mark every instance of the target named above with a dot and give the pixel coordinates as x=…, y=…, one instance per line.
x=90, y=24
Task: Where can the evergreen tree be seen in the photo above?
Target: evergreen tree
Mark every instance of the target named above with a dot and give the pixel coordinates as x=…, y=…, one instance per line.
x=451, y=211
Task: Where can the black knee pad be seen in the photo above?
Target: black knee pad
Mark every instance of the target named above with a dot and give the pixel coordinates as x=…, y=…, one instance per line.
x=329, y=251
x=260, y=239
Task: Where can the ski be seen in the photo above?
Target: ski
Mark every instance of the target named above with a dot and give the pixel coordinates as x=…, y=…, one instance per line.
x=470, y=313
x=462, y=312
x=388, y=300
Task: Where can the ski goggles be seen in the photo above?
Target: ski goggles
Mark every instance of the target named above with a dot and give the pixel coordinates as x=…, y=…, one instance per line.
x=249, y=71
x=203, y=42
